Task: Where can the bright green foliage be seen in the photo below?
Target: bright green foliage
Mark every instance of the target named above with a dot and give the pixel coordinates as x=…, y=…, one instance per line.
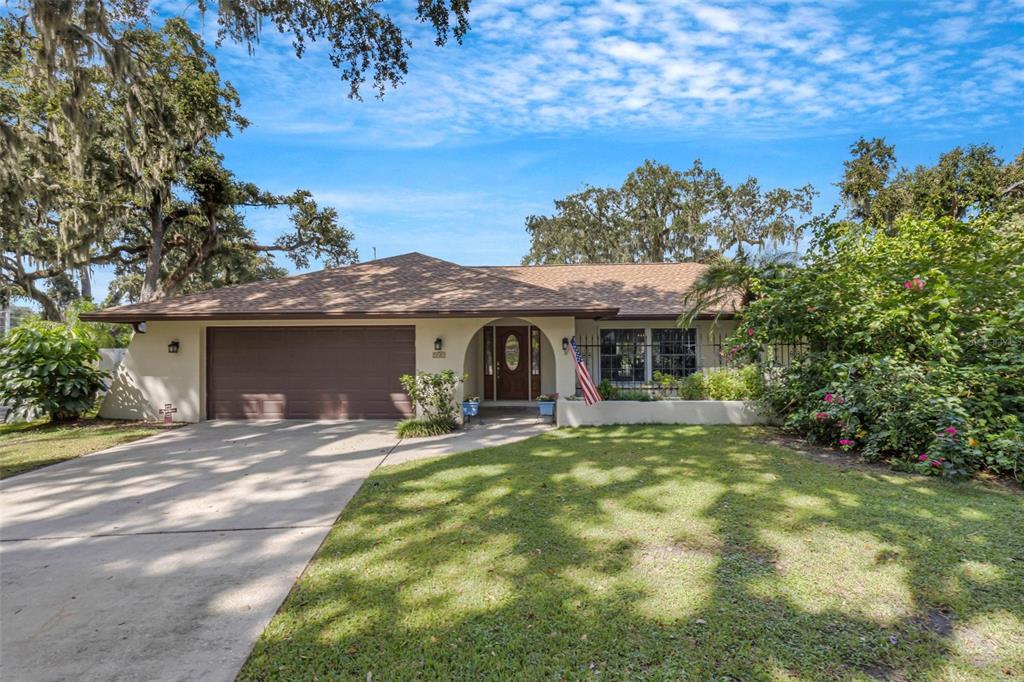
x=50, y=367
x=914, y=336
x=725, y=383
x=433, y=393
x=730, y=383
x=422, y=428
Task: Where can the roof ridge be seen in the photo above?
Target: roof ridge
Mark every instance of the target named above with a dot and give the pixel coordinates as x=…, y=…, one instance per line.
x=587, y=265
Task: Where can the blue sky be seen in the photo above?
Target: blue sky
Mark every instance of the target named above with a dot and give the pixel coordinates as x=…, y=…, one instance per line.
x=544, y=97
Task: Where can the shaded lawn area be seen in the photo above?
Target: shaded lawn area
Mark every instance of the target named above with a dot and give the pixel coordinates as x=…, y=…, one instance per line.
x=29, y=445
x=660, y=552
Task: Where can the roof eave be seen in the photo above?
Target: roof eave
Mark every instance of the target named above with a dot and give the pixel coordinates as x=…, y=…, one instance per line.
x=128, y=316
x=673, y=316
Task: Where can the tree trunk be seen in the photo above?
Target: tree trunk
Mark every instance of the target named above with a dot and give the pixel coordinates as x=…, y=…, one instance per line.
x=51, y=311
x=85, y=278
x=201, y=255
x=154, y=257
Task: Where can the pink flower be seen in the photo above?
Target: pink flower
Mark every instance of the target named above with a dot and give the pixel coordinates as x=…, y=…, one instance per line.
x=936, y=464
x=922, y=458
x=845, y=442
x=750, y=331
x=916, y=284
x=908, y=284
x=829, y=397
x=951, y=430
x=822, y=416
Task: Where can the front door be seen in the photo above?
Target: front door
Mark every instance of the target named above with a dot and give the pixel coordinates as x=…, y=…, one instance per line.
x=513, y=352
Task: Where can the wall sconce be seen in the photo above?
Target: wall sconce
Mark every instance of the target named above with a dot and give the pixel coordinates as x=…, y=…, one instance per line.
x=173, y=347
x=565, y=344
x=438, y=343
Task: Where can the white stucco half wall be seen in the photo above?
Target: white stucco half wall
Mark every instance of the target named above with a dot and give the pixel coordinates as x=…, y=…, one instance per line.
x=707, y=412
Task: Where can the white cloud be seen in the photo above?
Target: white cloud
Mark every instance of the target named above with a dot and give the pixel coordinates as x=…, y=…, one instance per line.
x=778, y=68
x=718, y=18
x=631, y=51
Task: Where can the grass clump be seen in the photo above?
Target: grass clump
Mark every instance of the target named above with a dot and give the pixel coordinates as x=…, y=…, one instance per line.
x=29, y=445
x=422, y=428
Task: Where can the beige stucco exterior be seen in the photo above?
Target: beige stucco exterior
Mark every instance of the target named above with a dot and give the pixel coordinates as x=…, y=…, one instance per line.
x=150, y=377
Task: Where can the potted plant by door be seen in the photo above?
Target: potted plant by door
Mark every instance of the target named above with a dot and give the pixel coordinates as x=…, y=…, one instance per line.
x=471, y=407
x=546, y=404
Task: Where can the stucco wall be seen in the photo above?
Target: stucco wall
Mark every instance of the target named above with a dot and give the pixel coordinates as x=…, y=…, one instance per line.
x=149, y=376
x=578, y=413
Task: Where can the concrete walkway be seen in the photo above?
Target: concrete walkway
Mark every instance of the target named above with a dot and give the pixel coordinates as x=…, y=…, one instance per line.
x=164, y=559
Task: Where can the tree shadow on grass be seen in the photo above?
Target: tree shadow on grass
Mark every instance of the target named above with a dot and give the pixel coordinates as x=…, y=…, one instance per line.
x=661, y=552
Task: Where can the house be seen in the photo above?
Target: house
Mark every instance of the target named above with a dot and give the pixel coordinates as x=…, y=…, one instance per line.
x=332, y=344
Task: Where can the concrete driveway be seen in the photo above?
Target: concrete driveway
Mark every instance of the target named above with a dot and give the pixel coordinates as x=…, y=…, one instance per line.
x=165, y=558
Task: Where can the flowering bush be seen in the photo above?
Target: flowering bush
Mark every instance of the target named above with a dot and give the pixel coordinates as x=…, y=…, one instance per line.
x=916, y=354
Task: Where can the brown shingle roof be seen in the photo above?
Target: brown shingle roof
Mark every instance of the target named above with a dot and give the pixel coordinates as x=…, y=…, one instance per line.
x=411, y=285
x=638, y=290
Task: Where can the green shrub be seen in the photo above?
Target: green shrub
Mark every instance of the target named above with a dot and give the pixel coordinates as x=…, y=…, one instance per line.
x=642, y=396
x=607, y=391
x=731, y=383
x=692, y=387
x=50, y=367
x=915, y=350
x=422, y=428
x=726, y=383
x=433, y=394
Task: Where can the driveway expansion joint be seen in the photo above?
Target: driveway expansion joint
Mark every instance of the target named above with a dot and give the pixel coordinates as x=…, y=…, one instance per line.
x=165, y=532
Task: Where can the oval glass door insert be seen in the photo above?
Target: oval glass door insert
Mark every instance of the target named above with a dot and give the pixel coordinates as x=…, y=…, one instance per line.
x=512, y=352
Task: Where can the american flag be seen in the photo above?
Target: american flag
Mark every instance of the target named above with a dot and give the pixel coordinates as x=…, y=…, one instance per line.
x=590, y=394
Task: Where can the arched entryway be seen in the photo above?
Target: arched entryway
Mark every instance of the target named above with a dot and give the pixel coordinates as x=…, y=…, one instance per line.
x=510, y=360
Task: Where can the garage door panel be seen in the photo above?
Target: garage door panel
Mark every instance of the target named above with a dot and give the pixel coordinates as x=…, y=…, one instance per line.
x=308, y=372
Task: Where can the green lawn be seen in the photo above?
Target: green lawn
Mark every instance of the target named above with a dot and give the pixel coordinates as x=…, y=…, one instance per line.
x=657, y=552
x=30, y=445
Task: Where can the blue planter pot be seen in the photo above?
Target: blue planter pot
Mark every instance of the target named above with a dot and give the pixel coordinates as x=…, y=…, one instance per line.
x=470, y=409
x=547, y=408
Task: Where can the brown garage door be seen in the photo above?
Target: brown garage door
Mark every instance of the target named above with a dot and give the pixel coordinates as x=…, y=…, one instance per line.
x=308, y=372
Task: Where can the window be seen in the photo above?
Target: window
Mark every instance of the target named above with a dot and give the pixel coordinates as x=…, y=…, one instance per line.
x=624, y=355
x=512, y=352
x=535, y=350
x=674, y=351
x=488, y=351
